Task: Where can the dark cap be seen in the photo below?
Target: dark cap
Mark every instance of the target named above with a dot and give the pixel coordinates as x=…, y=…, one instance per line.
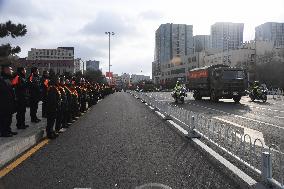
x=20, y=69
x=34, y=69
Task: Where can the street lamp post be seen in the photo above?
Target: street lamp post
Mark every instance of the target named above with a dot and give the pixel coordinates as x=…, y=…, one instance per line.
x=109, y=34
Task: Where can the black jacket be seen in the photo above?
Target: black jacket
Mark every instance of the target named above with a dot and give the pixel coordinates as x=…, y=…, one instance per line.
x=21, y=89
x=53, y=101
x=35, y=89
x=44, y=86
x=7, y=96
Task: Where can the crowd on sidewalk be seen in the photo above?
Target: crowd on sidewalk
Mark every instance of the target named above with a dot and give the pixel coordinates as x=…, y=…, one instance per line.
x=64, y=99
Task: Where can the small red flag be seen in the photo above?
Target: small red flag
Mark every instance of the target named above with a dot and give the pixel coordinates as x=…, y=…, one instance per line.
x=15, y=81
x=31, y=77
x=46, y=83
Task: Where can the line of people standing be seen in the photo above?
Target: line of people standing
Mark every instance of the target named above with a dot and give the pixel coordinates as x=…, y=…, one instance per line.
x=63, y=99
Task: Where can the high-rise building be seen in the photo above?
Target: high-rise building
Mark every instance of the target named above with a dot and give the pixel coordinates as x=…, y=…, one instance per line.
x=271, y=31
x=172, y=41
x=92, y=65
x=227, y=35
x=78, y=65
x=201, y=42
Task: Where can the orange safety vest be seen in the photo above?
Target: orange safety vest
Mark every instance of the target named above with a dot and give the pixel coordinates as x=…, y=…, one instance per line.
x=15, y=81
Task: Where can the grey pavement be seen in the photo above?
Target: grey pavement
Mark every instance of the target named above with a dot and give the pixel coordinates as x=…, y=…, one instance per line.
x=119, y=143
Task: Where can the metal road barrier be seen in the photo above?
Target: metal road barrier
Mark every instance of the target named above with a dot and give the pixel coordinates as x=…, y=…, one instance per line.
x=267, y=161
x=276, y=94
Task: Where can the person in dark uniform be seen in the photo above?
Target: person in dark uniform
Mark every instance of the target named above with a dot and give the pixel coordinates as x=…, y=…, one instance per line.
x=44, y=87
x=60, y=120
x=83, y=103
x=21, y=89
x=35, y=94
x=68, y=112
x=75, y=100
x=7, y=102
x=79, y=93
x=53, y=103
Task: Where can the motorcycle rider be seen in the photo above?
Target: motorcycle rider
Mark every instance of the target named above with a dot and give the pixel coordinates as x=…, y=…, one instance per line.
x=256, y=88
x=177, y=88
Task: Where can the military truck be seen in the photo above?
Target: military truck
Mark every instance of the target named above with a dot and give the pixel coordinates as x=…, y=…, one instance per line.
x=217, y=81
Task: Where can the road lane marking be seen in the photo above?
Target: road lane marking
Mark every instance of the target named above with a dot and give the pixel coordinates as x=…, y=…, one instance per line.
x=250, y=119
x=279, y=117
x=178, y=127
x=262, y=122
x=22, y=158
x=254, y=134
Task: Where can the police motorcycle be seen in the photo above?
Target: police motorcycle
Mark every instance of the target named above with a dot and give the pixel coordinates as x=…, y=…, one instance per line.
x=179, y=95
x=258, y=94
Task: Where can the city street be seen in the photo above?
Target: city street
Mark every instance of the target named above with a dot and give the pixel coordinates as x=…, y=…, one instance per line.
x=260, y=120
x=120, y=143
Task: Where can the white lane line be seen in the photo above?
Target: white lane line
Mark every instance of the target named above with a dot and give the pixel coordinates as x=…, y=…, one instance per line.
x=257, y=107
x=279, y=117
x=254, y=134
x=262, y=122
x=178, y=127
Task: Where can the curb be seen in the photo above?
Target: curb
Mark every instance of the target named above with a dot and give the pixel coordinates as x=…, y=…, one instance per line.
x=15, y=148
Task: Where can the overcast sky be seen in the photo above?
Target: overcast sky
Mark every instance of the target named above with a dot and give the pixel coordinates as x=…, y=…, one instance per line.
x=82, y=23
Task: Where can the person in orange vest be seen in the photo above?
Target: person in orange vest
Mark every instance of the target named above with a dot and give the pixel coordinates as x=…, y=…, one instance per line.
x=35, y=94
x=21, y=90
x=83, y=103
x=68, y=112
x=44, y=87
x=7, y=102
x=53, y=104
x=75, y=100
x=60, y=124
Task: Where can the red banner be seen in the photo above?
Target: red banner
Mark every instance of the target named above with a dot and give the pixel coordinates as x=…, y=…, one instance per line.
x=109, y=74
x=198, y=74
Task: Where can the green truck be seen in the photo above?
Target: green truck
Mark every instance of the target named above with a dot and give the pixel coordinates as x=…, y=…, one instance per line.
x=217, y=82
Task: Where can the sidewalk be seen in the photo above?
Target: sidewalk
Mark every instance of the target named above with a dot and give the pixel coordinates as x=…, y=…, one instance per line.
x=12, y=147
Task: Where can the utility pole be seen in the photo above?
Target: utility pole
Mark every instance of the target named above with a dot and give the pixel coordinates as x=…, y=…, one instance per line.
x=109, y=34
x=83, y=65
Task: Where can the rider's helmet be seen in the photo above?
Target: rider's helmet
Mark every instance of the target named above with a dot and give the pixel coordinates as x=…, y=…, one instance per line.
x=256, y=83
x=178, y=83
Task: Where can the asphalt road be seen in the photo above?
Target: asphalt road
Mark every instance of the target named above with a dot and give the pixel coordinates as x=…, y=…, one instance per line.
x=119, y=143
x=264, y=120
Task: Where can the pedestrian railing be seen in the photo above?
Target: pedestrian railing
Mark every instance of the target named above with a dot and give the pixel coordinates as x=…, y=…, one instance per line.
x=267, y=161
x=276, y=94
